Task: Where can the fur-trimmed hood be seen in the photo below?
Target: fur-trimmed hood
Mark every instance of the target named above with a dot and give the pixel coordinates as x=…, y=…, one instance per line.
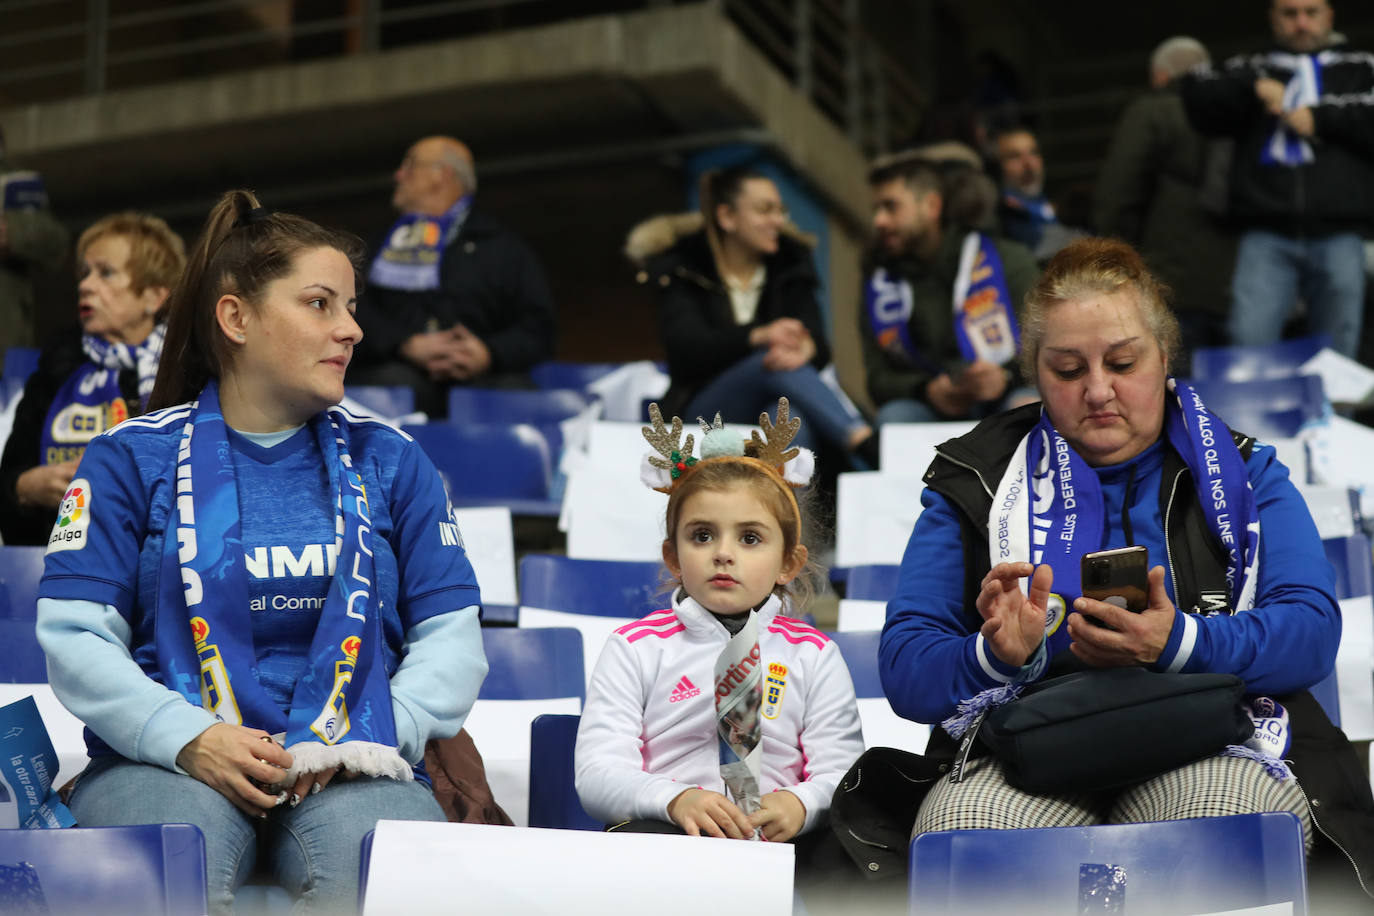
x=658, y=234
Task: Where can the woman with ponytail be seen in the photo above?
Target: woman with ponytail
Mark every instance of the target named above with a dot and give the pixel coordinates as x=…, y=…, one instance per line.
x=738, y=313
x=248, y=598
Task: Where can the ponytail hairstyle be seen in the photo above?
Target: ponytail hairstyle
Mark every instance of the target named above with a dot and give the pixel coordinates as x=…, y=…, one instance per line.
x=722, y=186
x=241, y=250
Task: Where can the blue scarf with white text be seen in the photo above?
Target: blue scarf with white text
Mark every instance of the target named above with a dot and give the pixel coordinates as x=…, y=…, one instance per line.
x=1049, y=508
x=341, y=710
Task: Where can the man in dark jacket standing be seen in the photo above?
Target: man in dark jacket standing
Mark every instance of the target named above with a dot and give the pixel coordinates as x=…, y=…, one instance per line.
x=1151, y=191
x=453, y=297
x=1302, y=178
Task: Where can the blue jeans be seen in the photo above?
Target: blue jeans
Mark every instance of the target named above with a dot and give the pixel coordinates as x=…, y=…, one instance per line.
x=746, y=390
x=910, y=410
x=1273, y=270
x=312, y=849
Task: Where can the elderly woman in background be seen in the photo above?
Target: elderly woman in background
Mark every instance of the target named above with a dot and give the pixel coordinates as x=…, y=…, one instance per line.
x=1117, y=454
x=91, y=380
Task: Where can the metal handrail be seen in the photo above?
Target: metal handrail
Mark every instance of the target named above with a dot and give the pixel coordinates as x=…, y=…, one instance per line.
x=818, y=45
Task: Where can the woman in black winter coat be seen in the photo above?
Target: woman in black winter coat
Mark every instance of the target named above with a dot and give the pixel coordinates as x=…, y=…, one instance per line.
x=738, y=312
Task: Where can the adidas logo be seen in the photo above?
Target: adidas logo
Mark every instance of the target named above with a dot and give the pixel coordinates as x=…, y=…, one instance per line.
x=684, y=690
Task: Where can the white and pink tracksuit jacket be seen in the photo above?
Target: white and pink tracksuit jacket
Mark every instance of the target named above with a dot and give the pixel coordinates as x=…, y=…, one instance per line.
x=648, y=728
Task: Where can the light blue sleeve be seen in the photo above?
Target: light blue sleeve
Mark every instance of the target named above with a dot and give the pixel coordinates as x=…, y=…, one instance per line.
x=93, y=674
x=441, y=670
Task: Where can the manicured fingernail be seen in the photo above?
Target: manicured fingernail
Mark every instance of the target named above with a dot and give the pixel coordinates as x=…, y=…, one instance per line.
x=281, y=797
x=314, y=787
x=295, y=799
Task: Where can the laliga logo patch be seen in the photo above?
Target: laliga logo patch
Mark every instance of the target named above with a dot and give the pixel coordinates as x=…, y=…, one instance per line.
x=774, y=686
x=73, y=518
x=1055, y=612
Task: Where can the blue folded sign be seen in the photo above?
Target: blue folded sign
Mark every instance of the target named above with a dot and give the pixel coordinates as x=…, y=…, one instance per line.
x=28, y=766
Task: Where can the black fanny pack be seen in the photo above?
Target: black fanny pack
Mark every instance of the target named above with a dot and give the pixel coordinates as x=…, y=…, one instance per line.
x=1109, y=727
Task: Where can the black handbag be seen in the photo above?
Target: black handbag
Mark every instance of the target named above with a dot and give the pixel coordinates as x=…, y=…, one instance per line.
x=1111, y=727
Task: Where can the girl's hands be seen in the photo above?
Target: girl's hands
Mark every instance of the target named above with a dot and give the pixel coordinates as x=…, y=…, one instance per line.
x=781, y=816
x=701, y=811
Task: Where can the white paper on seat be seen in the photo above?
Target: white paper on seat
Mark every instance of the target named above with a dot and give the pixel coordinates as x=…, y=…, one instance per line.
x=64, y=729
x=609, y=515
x=874, y=514
x=422, y=868
x=856, y=614
x=1292, y=453
x=884, y=728
x=1355, y=668
x=1331, y=510
x=908, y=448
x=1340, y=450
x=594, y=630
x=1344, y=380
x=501, y=731
x=1269, y=909
x=624, y=390
x=490, y=544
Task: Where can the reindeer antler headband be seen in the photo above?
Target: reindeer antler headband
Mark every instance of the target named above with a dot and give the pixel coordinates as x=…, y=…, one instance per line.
x=773, y=451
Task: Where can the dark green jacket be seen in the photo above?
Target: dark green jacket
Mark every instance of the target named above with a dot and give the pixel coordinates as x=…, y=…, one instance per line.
x=892, y=375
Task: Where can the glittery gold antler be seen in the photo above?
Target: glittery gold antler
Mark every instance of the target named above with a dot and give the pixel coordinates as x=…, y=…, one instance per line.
x=675, y=458
x=774, y=451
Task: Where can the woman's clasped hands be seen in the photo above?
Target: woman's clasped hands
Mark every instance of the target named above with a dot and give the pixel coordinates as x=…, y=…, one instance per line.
x=247, y=766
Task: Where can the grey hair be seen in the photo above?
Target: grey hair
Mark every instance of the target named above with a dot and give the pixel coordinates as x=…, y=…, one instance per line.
x=1176, y=56
x=463, y=168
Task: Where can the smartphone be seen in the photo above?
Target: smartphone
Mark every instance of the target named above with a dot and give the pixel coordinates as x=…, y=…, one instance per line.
x=1117, y=577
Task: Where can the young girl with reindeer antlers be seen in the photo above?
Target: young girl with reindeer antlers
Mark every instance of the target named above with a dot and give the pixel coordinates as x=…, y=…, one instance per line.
x=721, y=715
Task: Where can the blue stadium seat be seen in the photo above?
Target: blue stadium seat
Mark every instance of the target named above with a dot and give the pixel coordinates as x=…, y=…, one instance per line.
x=1350, y=557
x=555, y=374
x=20, y=362
x=531, y=672
x=1205, y=865
x=600, y=588
x=860, y=651
x=1248, y=363
x=876, y=582
x=10, y=390
x=386, y=401
x=1273, y=408
x=364, y=866
x=882, y=727
x=503, y=465
x=505, y=406
x=535, y=664
x=21, y=660
x=553, y=795
x=146, y=870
